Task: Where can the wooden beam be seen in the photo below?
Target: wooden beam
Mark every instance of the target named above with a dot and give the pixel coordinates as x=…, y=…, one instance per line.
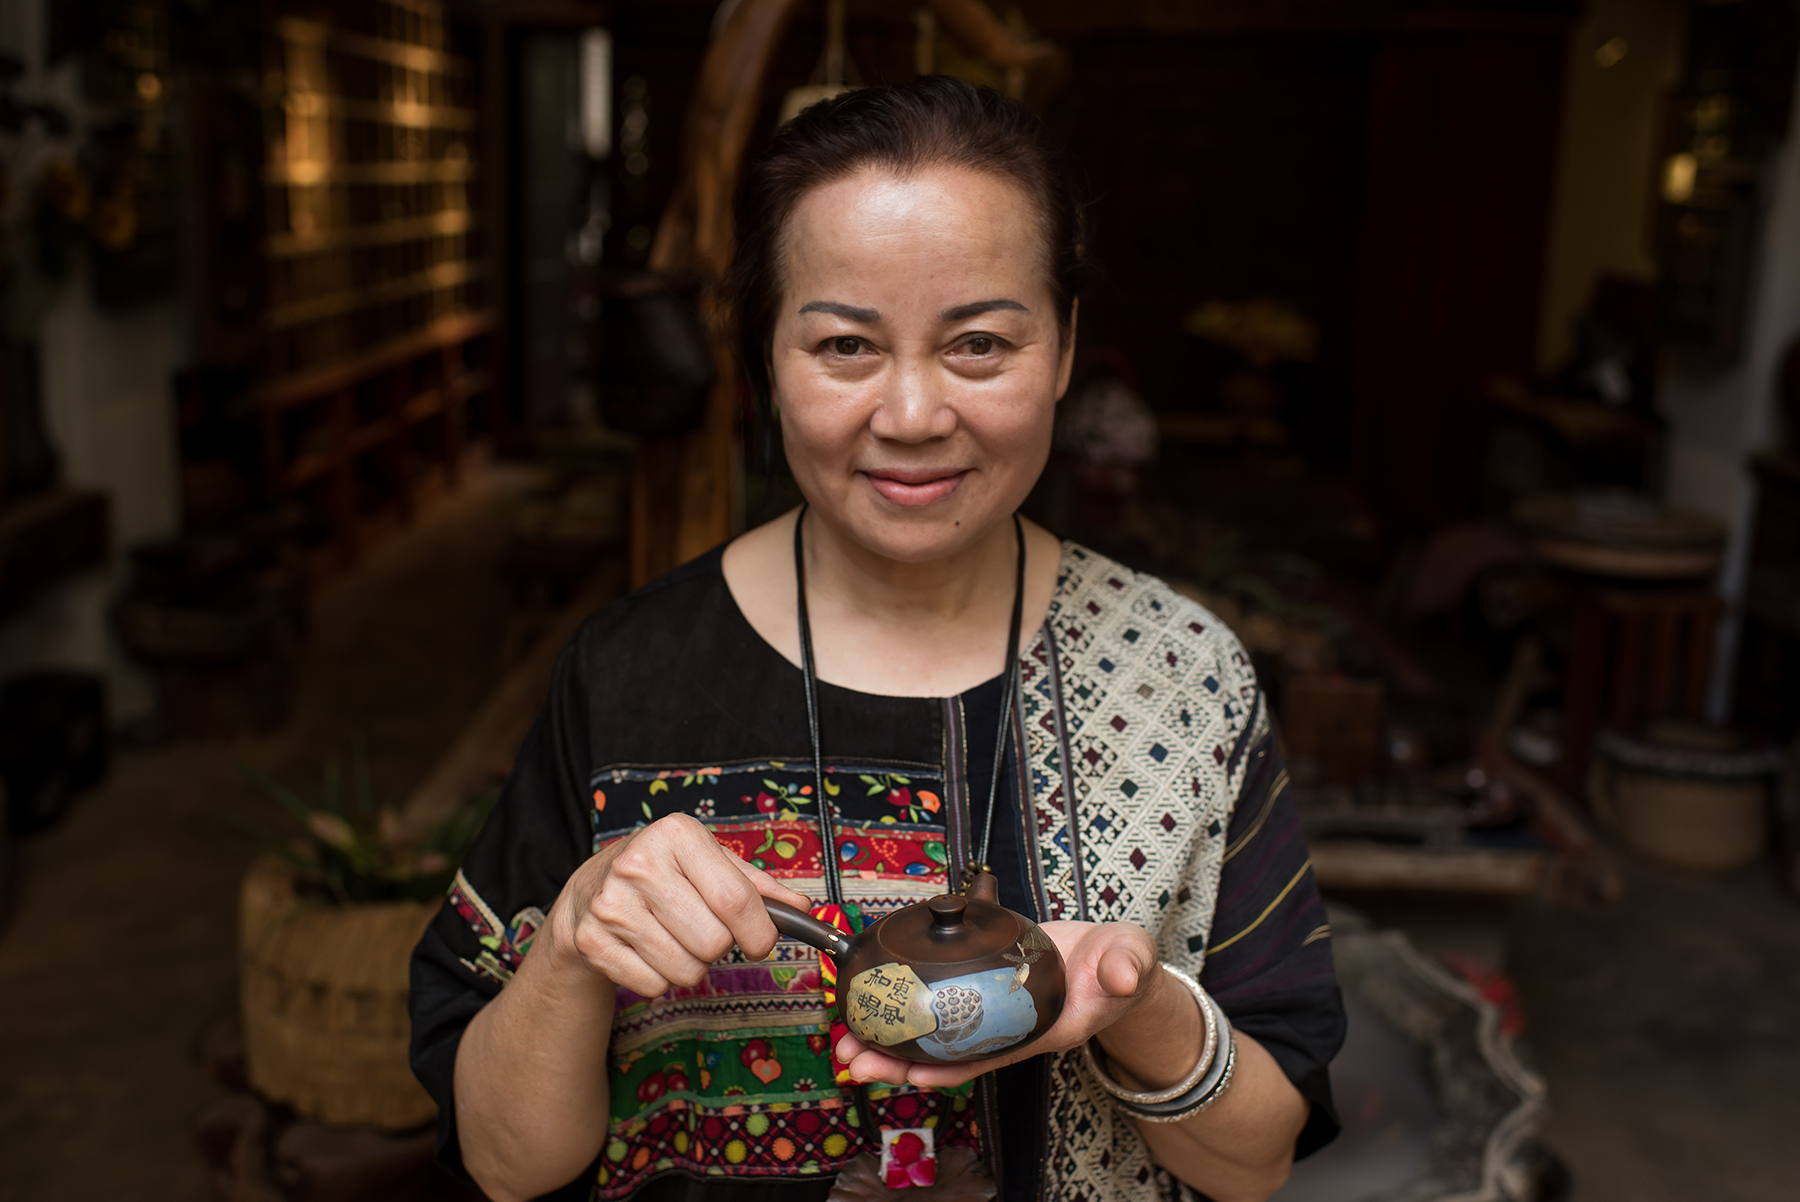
x=1362, y=864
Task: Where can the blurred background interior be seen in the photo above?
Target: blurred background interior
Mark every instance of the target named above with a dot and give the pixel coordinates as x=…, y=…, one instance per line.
x=1449, y=350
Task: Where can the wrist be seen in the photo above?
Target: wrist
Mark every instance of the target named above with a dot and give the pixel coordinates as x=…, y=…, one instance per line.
x=1156, y=1042
x=565, y=962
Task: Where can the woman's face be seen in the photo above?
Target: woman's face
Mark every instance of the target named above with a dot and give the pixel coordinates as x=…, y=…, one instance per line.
x=916, y=358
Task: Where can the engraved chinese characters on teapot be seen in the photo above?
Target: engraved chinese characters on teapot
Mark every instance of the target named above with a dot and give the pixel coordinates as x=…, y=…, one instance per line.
x=958, y=977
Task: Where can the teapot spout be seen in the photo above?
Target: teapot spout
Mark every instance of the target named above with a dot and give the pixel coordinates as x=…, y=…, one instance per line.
x=798, y=924
x=985, y=887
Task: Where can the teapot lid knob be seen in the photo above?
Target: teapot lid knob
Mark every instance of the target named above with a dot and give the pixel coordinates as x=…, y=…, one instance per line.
x=947, y=911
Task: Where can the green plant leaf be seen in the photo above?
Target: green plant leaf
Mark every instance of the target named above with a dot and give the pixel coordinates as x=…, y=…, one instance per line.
x=767, y=843
x=281, y=794
x=935, y=852
x=270, y=841
x=331, y=791
x=786, y=849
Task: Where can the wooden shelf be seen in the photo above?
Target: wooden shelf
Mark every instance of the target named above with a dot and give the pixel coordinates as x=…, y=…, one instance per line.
x=400, y=54
x=377, y=348
x=336, y=304
x=317, y=385
x=382, y=233
x=312, y=173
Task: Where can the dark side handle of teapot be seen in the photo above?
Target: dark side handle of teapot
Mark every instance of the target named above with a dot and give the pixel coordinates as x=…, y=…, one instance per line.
x=798, y=924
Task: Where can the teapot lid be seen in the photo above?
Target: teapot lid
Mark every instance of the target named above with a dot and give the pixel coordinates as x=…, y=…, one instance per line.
x=955, y=928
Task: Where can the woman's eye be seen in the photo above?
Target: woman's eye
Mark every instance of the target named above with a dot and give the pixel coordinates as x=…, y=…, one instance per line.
x=981, y=345
x=847, y=347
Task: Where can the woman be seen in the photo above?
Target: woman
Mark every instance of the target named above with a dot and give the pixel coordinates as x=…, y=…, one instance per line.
x=904, y=292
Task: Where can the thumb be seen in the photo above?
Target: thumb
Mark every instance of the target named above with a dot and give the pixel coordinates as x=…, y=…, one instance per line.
x=1123, y=968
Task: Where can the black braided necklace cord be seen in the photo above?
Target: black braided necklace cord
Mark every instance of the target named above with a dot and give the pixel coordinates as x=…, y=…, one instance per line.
x=834, y=888
x=1007, y=692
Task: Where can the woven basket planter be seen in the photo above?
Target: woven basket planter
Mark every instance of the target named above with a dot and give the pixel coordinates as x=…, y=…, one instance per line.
x=1696, y=808
x=324, y=997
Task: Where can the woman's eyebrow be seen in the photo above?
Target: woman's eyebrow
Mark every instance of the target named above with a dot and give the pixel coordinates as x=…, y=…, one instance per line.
x=976, y=308
x=847, y=312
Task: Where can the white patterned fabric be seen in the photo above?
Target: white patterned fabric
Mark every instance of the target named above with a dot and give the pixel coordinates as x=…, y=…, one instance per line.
x=1158, y=706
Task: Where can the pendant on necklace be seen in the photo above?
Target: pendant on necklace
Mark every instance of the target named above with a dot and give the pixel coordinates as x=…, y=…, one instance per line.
x=971, y=872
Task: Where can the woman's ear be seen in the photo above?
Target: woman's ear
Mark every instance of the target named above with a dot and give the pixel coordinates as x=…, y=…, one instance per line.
x=1067, y=365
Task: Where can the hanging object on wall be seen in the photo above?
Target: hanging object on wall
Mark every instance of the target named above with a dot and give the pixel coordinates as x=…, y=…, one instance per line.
x=129, y=156
x=1728, y=116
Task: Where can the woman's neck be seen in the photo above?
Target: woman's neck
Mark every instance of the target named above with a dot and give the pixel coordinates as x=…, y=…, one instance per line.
x=885, y=626
x=972, y=585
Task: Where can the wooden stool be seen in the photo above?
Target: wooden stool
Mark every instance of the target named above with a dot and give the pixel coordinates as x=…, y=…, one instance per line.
x=1635, y=655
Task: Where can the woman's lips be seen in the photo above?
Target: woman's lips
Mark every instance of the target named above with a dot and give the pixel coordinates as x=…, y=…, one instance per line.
x=913, y=489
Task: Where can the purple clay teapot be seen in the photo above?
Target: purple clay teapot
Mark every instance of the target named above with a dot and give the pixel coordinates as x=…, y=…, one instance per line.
x=957, y=977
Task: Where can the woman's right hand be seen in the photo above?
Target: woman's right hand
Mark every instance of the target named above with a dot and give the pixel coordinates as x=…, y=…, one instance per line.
x=655, y=909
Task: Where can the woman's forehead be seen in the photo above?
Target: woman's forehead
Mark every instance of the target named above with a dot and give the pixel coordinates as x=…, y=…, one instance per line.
x=932, y=233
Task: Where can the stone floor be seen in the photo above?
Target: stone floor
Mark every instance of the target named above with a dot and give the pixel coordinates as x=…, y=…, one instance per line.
x=1669, y=1034
x=1668, y=1028
x=121, y=938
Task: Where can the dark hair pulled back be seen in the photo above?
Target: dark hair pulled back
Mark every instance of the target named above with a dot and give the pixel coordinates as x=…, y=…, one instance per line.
x=930, y=121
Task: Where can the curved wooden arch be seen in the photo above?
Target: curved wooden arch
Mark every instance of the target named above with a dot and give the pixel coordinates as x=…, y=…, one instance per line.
x=681, y=486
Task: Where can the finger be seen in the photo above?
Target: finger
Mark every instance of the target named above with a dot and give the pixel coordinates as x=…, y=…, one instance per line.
x=1123, y=955
x=868, y=1063
x=1119, y=973
x=872, y=1065
x=849, y=1048
x=949, y=1076
x=665, y=955
x=619, y=962
x=624, y=940
x=733, y=895
x=771, y=888
x=682, y=902
x=696, y=928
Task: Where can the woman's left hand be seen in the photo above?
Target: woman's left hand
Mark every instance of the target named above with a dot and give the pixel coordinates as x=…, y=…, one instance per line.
x=1110, y=968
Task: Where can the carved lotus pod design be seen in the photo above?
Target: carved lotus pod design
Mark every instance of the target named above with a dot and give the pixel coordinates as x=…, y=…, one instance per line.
x=958, y=1010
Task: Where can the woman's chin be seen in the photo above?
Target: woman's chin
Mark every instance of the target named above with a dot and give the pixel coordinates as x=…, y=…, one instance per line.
x=918, y=535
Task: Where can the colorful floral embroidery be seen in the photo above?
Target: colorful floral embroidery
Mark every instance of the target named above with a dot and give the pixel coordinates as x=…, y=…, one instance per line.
x=898, y=791
x=776, y=1140
x=735, y=1075
x=770, y=790
x=848, y=919
x=503, y=945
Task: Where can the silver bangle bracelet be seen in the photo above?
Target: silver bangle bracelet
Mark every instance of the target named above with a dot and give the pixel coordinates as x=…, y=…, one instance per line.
x=1204, y=1094
x=1210, y=1019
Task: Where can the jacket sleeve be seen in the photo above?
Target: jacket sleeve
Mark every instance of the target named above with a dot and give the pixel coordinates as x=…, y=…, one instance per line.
x=1269, y=960
x=535, y=838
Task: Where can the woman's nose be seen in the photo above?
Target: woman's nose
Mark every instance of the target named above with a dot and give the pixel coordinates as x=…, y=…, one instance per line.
x=915, y=406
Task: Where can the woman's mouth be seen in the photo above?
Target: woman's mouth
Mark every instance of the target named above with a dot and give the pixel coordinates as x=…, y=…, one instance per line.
x=914, y=487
